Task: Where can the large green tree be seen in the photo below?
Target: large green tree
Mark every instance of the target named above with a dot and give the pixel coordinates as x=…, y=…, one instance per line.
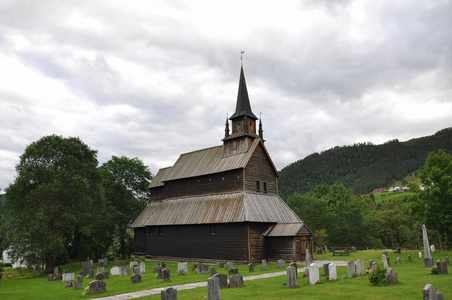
x=436, y=199
x=55, y=208
x=126, y=182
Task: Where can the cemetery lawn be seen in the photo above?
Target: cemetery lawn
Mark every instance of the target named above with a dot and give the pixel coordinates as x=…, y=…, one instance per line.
x=412, y=278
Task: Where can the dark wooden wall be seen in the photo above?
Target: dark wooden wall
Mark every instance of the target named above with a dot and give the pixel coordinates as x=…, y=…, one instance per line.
x=196, y=241
x=257, y=240
x=280, y=248
x=139, y=241
x=209, y=184
x=260, y=169
x=157, y=193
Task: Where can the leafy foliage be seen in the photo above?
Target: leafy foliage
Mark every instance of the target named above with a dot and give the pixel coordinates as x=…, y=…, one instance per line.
x=361, y=167
x=377, y=277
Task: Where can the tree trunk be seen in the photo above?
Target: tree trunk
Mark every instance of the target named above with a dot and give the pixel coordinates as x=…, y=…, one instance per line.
x=50, y=264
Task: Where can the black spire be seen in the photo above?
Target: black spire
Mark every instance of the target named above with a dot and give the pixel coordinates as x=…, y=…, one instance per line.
x=226, y=130
x=243, y=106
x=261, y=132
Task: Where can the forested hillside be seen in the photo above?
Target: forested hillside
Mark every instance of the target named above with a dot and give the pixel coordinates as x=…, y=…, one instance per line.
x=361, y=167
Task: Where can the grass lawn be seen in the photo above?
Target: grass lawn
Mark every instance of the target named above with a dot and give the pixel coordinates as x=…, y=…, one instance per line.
x=412, y=279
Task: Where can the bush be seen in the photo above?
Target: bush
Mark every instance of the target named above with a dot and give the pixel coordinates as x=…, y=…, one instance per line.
x=434, y=271
x=377, y=277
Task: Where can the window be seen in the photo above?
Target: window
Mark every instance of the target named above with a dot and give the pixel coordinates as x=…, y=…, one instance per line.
x=258, y=186
x=265, y=187
x=213, y=230
x=151, y=231
x=160, y=230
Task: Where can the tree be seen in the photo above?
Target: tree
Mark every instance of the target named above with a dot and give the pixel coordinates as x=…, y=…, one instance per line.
x=55, y=207
x=126, y=184
x=436, y=198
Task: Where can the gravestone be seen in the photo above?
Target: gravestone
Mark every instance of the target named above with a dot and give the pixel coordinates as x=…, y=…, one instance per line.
x=68, y=279
x=168, y=294
x=157, y=267
x=430, y=292
x=203, y=269
x=91, y=265
x=350, y=269
x=236, y=281
x=182, y=266
x=353, y=249
x=213, y=289
x=373, y=265
x=136, y=270
x=50, y=277
x=78, y=283
x=308, y=257
x=359, y=267
x=432, y=248
x=163, y=265
x=136, y=278
x=233, y=271
x=332, y=271
x=180, y=272
x=253, y=261
x=97, y=286
x=428, y=260
x=100, y=269
x=213, y=271
x=389, y=260
x=223, y=279
x=91, y=273
x=264, y=264
x=447, y=260
x=281, y=264
x=160, y=273
x=399, y=261
x=291, y=277
x=142, y=266
x=384, y=260
x=132, y=264
x=166, y=275
x=439, y=296
x=326, y=249
x=391, y=276
x=221, y=265
x=326, y=271
x=420, y=254
x=85, y=269
x=106, y=275
x=441, y=266
x=250, y=267
x=100, y=276
x=56, y=270
x=294, y=264
x=115, y=271
x=229, y=265
x=123, y=271
x=314, y=274
x=59, y=276
x=100, y=262
x=409, y=257
x=106, y=262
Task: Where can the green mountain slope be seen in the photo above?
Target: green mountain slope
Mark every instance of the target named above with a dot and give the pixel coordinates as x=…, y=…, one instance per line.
x=362, y=167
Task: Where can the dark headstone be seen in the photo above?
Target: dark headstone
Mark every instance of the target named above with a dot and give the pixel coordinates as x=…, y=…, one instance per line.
x=391, y=276
x=250, y=267
x=168, y=294
x=78, y=283
x=97, y=286
x=326, y=271
x=166, y=275
x=428, y=262
x=441, y=266
x=106, y=275
x=157, y=267
x=68, y=284
x=409, y=257
x=439, y=296
x=136, y=278
x=399, y=250
x=223, y=280
x=180, y=272
x=163, y=265
x=213, y=271
x=220, y=265
x=100, y=276
x=253, y=261
x=236, y=281
x=59, y=276
x=91, y=273
x=447, y=260
x=233, y=271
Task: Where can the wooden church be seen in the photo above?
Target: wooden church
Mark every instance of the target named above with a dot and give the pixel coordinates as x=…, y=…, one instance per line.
x=222, y=203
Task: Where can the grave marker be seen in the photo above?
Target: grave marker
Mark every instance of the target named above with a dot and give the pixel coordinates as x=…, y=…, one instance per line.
x=213, y=289
x=168, y=294
x=391, y=276
x=223, y=279
x=351, y=269
x=291, y=277
x=332, y=271
x=314, y=274
x=264, y=264
x=236, y=281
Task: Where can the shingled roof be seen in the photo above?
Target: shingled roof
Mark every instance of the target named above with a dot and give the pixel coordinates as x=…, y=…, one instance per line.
x=218, y=208
x=243, y=106
x=205, y=161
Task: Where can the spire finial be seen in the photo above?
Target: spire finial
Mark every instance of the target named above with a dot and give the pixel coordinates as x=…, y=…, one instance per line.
x=241, y=56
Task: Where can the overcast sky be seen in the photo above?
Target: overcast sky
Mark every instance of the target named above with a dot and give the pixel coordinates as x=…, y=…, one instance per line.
x=155, y=79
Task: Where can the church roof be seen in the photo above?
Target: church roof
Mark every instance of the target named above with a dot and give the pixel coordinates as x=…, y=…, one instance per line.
x=203, y=162
x=288, y=229
x=217, y=208
x=243, y=106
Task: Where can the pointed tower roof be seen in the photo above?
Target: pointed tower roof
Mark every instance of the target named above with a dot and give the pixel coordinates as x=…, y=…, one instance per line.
x=243, y=106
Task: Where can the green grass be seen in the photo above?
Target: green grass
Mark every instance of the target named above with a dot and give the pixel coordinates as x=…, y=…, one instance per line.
x=392, y=196
x=412, y=278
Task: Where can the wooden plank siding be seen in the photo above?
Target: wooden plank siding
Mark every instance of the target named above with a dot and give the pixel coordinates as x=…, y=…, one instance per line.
x=279, y=248
x=257, y=240
x=197, y=241
x=260, y=169
x=157, y=193
x=209, y=184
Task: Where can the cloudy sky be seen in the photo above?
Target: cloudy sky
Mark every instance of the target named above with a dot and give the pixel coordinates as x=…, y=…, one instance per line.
x=154, y=79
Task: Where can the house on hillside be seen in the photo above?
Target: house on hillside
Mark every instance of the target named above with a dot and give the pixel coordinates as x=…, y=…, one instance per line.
x=222, y=203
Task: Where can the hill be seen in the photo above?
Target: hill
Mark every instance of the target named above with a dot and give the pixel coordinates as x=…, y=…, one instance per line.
x=362, y=167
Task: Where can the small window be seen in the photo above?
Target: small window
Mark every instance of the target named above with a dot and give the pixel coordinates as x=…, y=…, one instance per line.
x=160, y=230
x=213, y=230
x=151, y=231
x=258, y=186
x=265, y=187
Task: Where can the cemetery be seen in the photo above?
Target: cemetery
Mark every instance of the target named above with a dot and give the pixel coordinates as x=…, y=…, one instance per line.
x=346, y=279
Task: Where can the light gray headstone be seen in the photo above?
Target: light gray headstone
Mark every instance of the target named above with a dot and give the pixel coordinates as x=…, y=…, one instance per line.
x=236, y=281
x=391, y=276
x=281, y=264
x=332, y=271
x=350, y=269
x=399, y=260
x=213, y=289
x=168, y=294
x=373, y=265
x=314, y=273
x=123, y=271
x=213, y=271
x=420, y=254
x=291, y=277
x=132, y=264
x=326, y=249
x=359, y=267
x=142, y=267
x=100, y=269
x=447, y=260
x=429, y=292
x=426, y=244
x=182, y=266
x=264, y=265
x=384, y=260
x=203, y=269
x=97, y=286
x=229, y=265
x=432, y=248
x=50, y=277
x=114, y=271
x=308, y=257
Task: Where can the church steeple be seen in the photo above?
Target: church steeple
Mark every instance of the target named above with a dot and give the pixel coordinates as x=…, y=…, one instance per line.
x=243, y=106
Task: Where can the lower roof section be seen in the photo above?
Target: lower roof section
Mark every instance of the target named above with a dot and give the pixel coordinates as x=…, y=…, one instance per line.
x=217, y=208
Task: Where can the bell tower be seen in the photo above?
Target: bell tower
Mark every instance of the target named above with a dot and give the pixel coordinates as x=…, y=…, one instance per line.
x=243, y=123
